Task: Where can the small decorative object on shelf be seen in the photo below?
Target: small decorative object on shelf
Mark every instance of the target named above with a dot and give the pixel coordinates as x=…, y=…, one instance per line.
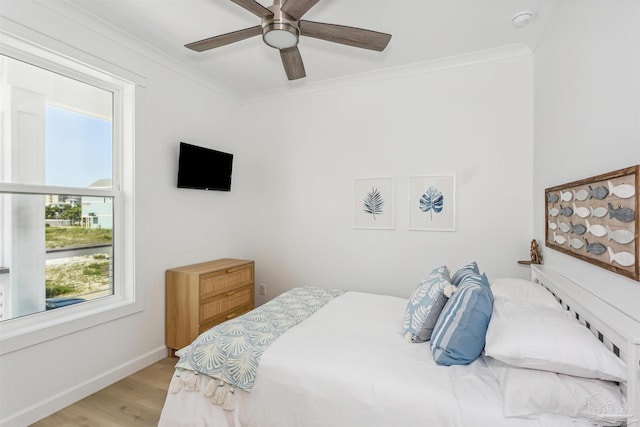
x=536, y=257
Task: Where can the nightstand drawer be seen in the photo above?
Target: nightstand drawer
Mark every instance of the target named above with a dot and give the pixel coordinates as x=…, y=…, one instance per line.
x=216, y=283
x=238, y=312
x=226, y=303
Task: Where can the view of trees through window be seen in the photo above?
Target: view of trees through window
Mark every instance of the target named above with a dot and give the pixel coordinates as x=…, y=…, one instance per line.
x=78, y=256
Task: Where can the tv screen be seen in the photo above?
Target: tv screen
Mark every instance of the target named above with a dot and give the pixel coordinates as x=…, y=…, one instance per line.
x=203, y=168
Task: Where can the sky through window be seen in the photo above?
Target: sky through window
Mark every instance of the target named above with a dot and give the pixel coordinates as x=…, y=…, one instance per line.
x=78, y=148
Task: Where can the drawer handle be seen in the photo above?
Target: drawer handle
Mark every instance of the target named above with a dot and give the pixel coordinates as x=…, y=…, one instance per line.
x=230, y=316
x=228, y=294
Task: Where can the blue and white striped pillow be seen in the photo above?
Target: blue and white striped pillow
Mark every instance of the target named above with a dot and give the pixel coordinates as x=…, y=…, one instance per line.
x=459, y=335
x=425, y=305
x=469, y=269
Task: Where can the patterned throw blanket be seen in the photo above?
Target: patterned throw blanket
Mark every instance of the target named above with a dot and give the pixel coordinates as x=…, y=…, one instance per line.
x=229, y=353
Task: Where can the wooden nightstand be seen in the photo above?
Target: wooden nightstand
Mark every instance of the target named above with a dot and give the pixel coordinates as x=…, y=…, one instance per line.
x=200, y=296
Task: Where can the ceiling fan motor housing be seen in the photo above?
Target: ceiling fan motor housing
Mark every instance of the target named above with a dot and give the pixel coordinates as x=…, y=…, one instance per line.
x=280, y=30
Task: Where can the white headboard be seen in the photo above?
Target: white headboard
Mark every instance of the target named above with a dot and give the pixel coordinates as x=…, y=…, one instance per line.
x=619, y=332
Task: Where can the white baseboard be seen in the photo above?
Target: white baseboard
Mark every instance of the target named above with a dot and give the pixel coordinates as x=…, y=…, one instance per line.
x=46, y=407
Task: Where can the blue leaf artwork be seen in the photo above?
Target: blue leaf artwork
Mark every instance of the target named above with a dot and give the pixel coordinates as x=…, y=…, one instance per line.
x=432, y=201
x=372, y=202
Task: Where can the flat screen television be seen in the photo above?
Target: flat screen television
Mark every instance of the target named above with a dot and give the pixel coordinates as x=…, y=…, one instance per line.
x=203, y=168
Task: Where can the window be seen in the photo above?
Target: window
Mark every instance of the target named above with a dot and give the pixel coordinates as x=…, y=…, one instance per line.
x=65, y=194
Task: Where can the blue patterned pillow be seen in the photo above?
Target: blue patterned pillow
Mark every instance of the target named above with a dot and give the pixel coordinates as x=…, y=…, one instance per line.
x=459, y=334
x=458, y=276
x=425, y=305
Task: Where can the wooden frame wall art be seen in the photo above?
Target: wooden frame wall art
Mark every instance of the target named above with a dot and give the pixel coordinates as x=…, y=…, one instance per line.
x=596, y=220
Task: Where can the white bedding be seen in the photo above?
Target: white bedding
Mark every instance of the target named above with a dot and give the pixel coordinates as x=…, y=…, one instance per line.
x=348, y=365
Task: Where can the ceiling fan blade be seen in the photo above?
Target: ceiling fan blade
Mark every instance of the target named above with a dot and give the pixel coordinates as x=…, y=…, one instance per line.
x=224, y=39
x=356, y=37
x=292, y=62
x=253, y=7
x=297, y=8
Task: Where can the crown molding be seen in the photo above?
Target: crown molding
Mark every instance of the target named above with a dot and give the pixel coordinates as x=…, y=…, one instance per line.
x=463, y=60
x=21, y=18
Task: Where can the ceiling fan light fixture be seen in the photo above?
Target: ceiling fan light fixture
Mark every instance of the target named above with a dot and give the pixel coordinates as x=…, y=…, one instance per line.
x=280, y=35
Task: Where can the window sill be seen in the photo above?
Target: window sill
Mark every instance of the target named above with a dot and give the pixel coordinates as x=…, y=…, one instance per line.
x=16, y=334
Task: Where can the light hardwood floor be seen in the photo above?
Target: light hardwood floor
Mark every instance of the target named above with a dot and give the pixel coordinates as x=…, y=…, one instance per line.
x=134, y=401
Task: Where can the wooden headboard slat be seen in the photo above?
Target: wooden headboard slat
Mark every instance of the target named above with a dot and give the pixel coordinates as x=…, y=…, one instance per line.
x=619, y=332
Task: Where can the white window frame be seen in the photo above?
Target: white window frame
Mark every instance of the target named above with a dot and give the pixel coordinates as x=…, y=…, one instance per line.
x=127, y=298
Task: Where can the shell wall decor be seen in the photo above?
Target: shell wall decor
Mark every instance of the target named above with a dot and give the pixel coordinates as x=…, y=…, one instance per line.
x=596, y=220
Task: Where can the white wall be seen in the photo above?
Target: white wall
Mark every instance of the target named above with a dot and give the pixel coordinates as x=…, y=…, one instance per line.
x=172, y=227
x=587, y=117
x=473, y=120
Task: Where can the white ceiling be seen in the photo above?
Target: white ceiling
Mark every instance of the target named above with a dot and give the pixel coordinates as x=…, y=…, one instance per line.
x=422, y=30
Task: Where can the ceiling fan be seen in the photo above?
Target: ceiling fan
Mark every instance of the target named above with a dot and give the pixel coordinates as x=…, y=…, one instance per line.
x=281, y=28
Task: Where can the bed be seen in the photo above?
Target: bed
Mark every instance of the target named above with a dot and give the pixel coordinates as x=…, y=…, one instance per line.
x=351, y=363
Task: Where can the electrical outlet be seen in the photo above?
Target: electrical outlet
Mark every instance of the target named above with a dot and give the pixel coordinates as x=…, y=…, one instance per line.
x=263, y=289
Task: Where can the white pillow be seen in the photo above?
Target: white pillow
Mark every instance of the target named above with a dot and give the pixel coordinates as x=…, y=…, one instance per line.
x=531, y=336
x=529, y=393
x=523, y=290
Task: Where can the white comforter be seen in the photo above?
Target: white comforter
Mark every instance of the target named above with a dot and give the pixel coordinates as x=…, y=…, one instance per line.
x=348, y=365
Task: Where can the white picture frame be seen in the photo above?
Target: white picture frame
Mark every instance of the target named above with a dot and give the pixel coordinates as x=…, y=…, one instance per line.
x=374, y=203
x=432, y=201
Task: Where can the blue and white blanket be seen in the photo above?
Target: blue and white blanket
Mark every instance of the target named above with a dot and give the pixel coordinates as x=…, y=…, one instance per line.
x=230, y=353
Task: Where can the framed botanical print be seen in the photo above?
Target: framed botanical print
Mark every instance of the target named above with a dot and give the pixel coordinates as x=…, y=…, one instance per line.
x=432, y=203
x=373, y=203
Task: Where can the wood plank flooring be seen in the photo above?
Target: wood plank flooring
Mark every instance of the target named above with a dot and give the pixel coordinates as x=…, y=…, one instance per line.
x=134, y=401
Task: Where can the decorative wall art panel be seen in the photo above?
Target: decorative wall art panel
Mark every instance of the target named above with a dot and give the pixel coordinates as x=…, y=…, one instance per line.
x=596, y=220
x=373, y=203
x=432, y=203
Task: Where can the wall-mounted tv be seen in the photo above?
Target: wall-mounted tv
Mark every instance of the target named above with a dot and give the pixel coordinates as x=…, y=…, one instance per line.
x=203, y=168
